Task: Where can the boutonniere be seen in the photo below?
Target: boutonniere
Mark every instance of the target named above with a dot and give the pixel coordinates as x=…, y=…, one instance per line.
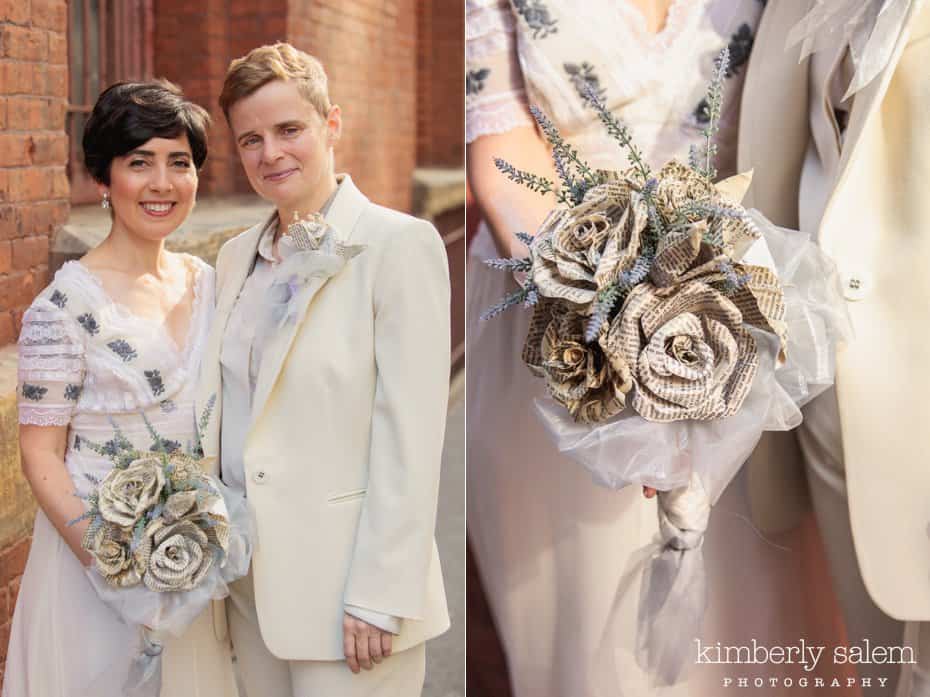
x=315, y=252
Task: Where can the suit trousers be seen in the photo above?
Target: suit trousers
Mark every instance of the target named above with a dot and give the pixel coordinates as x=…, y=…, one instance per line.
x=264, y=674
x=820, y=439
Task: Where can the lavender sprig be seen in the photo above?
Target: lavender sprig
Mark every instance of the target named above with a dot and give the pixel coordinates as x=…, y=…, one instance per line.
x=524, y=264
x=561, y=148
x=526, y=296
x=531, y=181
x=615, y=294
x=714, y=101
x=619, y=131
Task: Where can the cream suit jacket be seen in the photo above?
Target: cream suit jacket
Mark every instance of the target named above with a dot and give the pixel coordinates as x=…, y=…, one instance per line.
x=873, y=218
x=343, y=450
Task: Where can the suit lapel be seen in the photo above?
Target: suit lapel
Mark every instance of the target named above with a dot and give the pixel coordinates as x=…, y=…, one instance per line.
x=343, y=215
x=865, y=104
x=210, y=385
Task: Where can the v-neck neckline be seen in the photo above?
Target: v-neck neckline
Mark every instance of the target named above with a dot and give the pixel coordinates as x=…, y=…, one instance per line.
x=192, y=322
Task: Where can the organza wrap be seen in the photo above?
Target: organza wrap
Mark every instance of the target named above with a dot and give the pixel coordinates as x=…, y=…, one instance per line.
x=137, y=673
x=870, y=28
x=630, y=450
x=691, y=462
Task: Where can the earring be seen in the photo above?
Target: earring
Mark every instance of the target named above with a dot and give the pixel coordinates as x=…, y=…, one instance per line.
x=105, y=203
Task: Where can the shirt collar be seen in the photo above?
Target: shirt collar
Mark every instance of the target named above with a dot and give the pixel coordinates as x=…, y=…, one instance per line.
x=266, y=243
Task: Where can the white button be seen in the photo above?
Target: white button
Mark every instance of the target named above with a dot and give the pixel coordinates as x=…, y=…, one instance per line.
x=856, y=284
x=260, y=477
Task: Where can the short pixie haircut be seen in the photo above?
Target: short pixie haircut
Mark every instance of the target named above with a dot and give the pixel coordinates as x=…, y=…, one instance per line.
x=128, y=114
x=279, y=61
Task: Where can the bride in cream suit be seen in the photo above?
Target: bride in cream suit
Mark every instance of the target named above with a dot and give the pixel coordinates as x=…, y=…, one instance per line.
x=862, y=164
x=329, y=365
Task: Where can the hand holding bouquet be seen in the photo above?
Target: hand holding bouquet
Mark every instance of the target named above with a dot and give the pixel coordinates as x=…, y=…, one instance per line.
x=166, y=539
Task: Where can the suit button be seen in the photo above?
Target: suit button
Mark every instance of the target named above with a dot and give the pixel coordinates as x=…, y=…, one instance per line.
x=856, y=285
x=260, y=477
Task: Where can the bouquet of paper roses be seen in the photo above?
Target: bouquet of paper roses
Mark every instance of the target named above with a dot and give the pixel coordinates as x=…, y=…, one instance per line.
x=672, y=326
x=166, y=539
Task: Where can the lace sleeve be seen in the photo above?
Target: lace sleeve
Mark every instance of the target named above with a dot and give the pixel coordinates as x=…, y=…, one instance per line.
x=495, y=94
x=51, y=366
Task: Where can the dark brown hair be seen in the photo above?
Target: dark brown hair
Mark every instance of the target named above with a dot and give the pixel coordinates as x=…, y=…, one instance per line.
x=128, y=114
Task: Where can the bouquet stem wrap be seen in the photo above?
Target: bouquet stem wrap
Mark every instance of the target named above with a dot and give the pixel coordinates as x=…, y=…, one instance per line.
x=144, y=678
x=673, y=595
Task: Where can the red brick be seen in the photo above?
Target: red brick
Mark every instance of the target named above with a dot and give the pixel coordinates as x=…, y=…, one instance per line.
x=50, y=14
x=40, y=221
x=16, y=77
x=6, y=258
x=8, y=220
x=50, y=149
x=17, y=290
x=57, y=49
x=55, y=80
x=59, y=211
x=4, y=641
x=26, y=113
x=2, y=113
x=13, y=561
x=14, y=593
x=60, y=186
x=24, y=220
x=55, y=112
x=29, y=184
x=8, y=333
x=40, y=278
x=29, y=252
x=16, y=11
x=15, y=150
x=23, y=43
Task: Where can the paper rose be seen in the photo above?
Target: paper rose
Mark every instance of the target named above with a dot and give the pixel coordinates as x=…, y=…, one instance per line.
x=581, y=250
x=688, y=351
x=177, y=555
x=578, y=375
x=126, y=494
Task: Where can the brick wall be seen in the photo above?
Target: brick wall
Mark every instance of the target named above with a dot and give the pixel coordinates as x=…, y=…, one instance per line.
x=12, y=562
x=440, y=83
x=376, y=87
x=369, y=50
x=33, y=149
x=209, y=35
x=33, y=203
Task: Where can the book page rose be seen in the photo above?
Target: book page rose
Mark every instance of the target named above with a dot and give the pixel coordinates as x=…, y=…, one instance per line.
x=690, y=355
x=578, y=375
x=111, y=548
x=179, y=555
x=580, y=250
x=126, y=494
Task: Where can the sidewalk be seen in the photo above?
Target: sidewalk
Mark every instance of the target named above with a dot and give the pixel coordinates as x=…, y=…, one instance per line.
x=445, y=656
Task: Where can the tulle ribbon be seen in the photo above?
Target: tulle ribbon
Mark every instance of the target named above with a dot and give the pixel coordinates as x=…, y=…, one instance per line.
x=869, y=27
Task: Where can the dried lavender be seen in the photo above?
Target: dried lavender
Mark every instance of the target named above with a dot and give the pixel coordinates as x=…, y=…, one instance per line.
x=619, y=131
x=714, y=101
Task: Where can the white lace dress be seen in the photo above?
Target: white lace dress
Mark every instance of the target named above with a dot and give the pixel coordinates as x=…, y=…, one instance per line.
x=552, y=546
x=85, y=360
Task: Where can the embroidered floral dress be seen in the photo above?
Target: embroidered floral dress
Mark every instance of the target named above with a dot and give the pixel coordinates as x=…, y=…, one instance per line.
x=552, y=547
x=88, y=362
